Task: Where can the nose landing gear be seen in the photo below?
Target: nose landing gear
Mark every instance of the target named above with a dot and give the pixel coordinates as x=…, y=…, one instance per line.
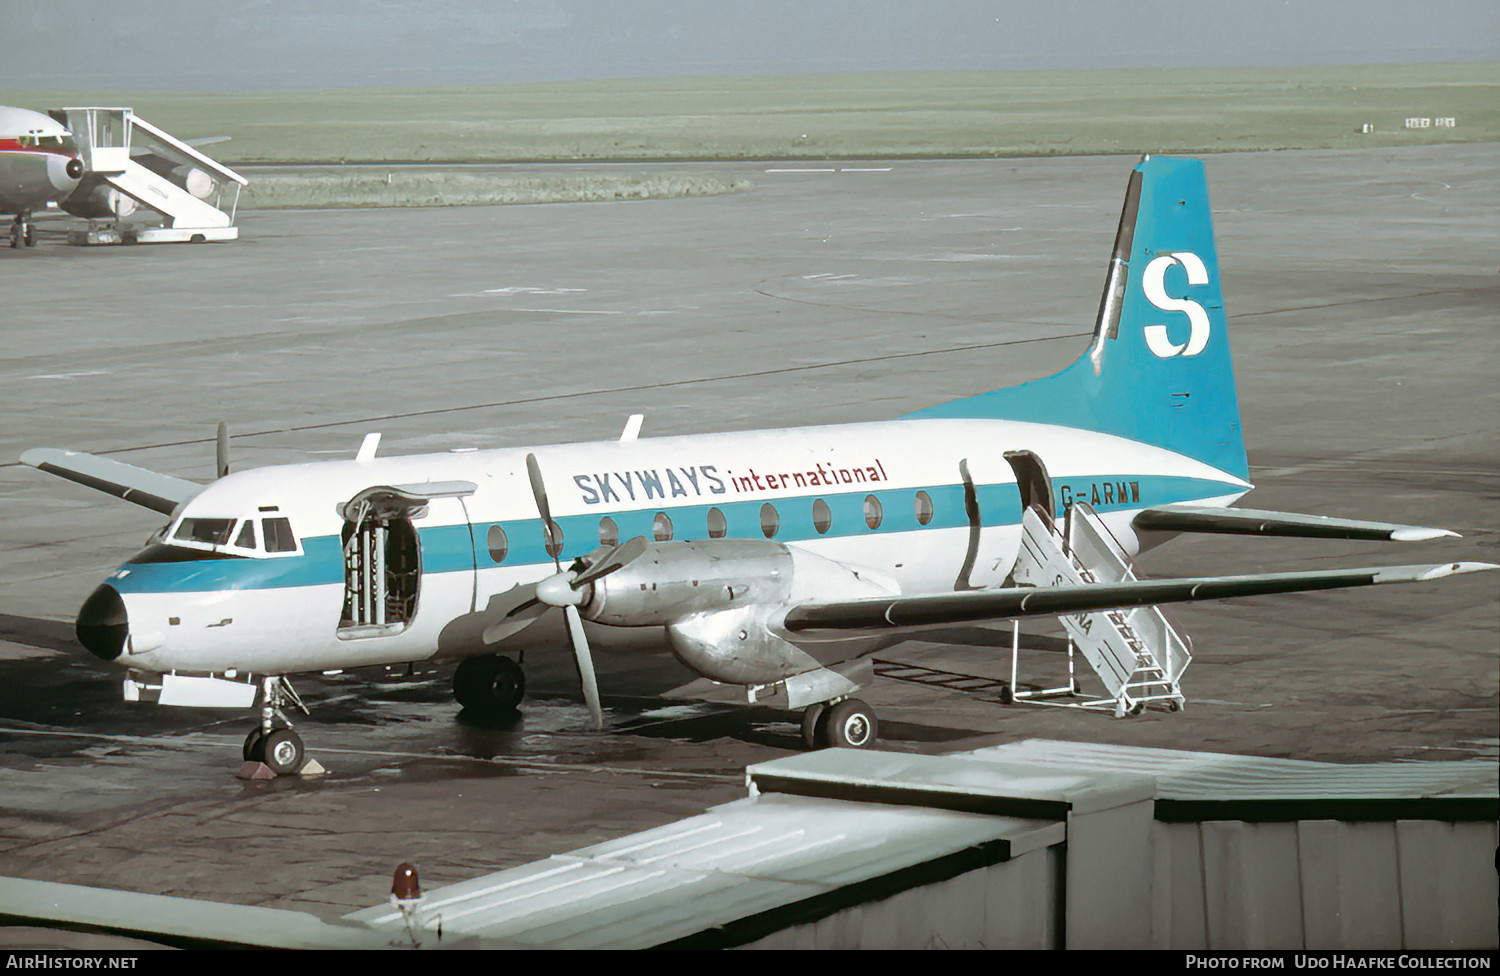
x=22, y=231
x=273, y=741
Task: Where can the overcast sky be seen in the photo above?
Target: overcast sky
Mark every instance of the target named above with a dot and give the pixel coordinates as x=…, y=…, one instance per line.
x=267, y=45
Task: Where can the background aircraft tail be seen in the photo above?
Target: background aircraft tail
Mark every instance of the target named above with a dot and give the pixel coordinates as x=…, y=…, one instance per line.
x=1158, y=369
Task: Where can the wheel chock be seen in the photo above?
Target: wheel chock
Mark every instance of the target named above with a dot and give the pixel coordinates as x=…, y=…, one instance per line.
x=259, y=771
x=255, y=771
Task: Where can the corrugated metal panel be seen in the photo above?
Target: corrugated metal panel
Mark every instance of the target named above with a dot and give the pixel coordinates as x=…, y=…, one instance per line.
x=846, y=848
x=761, y=864
x=1257, y=853
x=967, y=781
x=1013, y=905
x=169, y=920
x=1194, y=786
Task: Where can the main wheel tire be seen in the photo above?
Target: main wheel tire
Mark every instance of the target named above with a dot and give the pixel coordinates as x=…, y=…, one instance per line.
x=492, y=686
x=850, y=724
x=284, y=752
x=812, y=725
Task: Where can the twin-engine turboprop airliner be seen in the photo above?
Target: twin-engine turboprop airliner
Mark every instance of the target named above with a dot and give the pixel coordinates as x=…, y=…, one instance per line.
x=39, y=164
x=776, y=560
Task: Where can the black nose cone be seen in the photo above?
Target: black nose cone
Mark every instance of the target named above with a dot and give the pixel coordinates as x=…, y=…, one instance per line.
x=101, y=625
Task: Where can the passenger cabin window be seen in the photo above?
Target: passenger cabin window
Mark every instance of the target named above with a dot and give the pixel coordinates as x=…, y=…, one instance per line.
x=718, y=526
x=924, y=508
x=554, y=534
x=498, y=543
x=822, y=516
x=661, y=527
x=609, y=532
x=874, y=512
x=770, y=520
x=278, y=535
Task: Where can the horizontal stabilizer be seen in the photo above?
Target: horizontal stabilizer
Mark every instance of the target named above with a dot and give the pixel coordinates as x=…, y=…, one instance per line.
x=158, y=492
x=886, y=613
x=1246, y=521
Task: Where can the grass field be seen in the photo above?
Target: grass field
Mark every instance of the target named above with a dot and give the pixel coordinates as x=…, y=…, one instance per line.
x=844, y=116
x=838, y=115
x=428, y=187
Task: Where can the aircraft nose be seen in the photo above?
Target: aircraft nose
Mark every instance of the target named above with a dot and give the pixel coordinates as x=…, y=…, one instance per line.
x=64, y=172
x=102, y=624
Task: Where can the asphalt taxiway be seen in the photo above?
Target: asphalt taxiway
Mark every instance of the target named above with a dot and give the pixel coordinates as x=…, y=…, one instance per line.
x=1361, y=290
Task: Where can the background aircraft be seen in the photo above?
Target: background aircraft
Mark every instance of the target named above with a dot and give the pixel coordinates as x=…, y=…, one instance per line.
x=774, y=560
x=39, y=164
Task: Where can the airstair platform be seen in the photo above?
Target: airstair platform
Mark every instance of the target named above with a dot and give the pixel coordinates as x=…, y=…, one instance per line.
x=130, y=163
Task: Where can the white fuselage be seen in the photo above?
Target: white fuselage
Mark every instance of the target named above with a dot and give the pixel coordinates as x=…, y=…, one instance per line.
x=886, y=500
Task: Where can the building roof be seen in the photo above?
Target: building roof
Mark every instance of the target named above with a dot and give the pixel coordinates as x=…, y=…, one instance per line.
x=1213, y=785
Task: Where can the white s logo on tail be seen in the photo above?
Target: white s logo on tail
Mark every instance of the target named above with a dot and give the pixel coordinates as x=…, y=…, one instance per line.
x=1153, y=284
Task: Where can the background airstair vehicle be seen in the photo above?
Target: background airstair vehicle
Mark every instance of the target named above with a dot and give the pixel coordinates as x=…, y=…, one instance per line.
x=1137, y=653
x=130, y=163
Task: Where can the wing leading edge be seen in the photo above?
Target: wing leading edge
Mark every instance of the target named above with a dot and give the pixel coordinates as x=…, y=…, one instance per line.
x=885, y=614
x=148, y=489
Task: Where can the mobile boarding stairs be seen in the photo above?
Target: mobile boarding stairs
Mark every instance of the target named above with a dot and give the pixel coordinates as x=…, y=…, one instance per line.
x=130, y=163
x=1137, y=653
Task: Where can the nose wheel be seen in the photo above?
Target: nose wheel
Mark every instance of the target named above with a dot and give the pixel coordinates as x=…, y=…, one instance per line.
x=281, y=750
x=22, y=231
x=273, y=741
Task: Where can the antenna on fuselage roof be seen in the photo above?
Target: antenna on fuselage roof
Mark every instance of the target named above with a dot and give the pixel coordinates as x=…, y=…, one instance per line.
x=367, y=447
x=221, y=458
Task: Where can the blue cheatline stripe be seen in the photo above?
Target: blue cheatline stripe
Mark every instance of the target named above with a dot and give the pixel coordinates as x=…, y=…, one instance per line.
x=446, y=548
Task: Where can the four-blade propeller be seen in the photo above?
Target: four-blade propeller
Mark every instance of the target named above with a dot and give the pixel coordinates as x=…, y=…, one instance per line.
x=566, y=590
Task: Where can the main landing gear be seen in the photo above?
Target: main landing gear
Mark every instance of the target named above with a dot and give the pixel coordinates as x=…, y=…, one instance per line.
x=848, y=723
x=490, y=687
x=272, y=741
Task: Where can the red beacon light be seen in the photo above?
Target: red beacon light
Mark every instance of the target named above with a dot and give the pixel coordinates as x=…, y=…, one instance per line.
x=404, y=884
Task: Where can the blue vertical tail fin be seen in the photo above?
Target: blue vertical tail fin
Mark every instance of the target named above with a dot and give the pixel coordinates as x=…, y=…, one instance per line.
x=1158, y=369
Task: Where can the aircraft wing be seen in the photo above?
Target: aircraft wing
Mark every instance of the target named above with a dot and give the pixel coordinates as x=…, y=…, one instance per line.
x=1249, y=521
x=158, y=492
x=885, y=614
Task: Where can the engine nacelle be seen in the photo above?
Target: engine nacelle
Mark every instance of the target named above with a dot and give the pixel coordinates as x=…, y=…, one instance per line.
x=673, y=579
x=99, y=201
x=193, y=180
x=721, y=602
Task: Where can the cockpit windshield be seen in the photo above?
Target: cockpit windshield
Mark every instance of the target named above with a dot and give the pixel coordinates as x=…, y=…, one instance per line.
x=265, y=534
x=213, y=531
x=278, y=534
x=61, y=143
